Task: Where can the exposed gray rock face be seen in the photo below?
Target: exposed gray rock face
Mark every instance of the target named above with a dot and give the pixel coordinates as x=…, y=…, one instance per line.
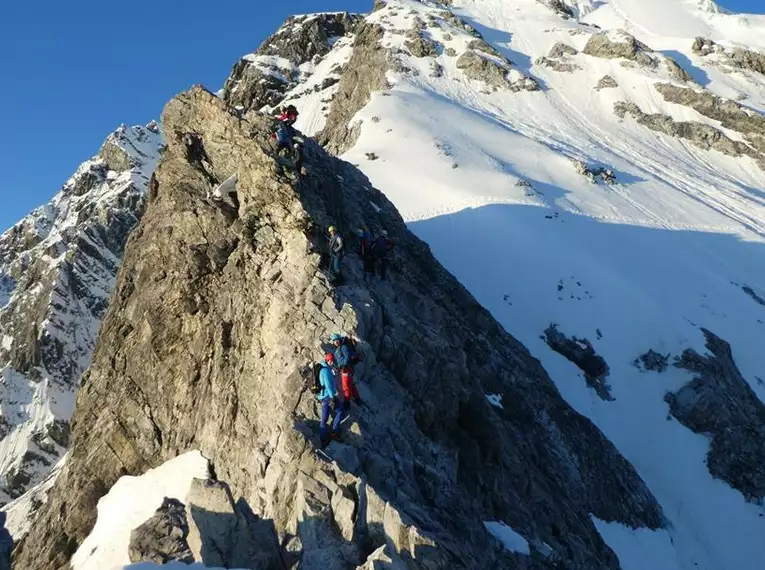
x=220, y=534
x=653, y=361
x=677, y=71
x=458, y=22
x=706, y=46
x=495, y=72
x=162, y=538
x=559, y=7
x=703, y=136
x=57, y=269
x=364, y=74
x=730, y=114
x=594, y=174
x=485, y=47
x=207, y=345
x=619, y=44
x=420, y=46
x=561, y=50
x=255, y=82
x=581, y=352
x=719, y=403
x=737, y=58
x=556, y=65
x=606, y=82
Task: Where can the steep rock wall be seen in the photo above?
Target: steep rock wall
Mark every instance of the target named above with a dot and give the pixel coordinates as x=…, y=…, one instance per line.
x=206, y=345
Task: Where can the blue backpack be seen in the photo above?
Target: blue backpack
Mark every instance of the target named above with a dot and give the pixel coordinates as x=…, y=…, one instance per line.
x=283, y=138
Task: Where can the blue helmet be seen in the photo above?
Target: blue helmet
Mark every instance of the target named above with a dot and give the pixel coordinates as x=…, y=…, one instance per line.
x=336, y=336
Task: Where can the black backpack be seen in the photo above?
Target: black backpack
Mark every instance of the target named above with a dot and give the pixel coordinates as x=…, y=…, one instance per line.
x=353, y=349
x=316, y=388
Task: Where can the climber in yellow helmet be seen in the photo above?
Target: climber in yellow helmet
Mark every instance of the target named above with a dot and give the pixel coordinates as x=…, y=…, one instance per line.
x=336, y=252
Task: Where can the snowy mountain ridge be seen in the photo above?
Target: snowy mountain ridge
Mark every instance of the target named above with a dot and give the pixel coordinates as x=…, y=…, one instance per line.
x=57, y=269
x=592, y=172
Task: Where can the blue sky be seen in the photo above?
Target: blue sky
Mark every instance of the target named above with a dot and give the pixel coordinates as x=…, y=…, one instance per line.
x=74, y=70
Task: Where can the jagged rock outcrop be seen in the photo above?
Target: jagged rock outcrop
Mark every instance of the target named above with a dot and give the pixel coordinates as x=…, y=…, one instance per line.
x=556, y=59
x=221, y=533
x=365, y=73
x=580, y=352
x=594, y=174
x=57, y=270
x=264, y=77
x=494, y=70
x=618, y=44
x=207, y=345
x=735, y=58
x=703, y=136
x=719, y=403
x=731, y=115
x=652, y=361
x=419, y=45
x=606, y=82
x=162, y=538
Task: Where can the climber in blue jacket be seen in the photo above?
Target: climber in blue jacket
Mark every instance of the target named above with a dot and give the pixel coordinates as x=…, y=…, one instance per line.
x=328, y=398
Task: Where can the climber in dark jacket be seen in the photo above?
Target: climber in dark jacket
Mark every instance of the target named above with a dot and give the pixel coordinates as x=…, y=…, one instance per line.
x=328, y=398
x=381, y=251
x=366, y=253
x=336, y=251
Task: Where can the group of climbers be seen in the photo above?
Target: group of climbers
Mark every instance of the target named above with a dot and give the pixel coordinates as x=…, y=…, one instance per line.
x=341, y=362
x=374, y=253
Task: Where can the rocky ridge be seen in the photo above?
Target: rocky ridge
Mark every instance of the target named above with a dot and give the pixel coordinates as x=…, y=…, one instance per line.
x=57, y=270
x=217, y=307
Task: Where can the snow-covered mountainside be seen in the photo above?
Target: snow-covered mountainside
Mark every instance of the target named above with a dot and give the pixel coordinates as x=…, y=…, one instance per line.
x=57, y=270
x=618, y=209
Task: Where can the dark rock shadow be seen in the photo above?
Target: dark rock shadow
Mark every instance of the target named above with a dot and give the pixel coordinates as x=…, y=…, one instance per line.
x=6, y=544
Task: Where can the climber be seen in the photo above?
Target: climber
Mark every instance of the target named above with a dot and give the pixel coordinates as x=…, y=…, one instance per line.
x=287, y=138
x=346, y=357
x=365, y=251
x=336, y=252
x=289, y=116
x=381, y=251
x=328, y=398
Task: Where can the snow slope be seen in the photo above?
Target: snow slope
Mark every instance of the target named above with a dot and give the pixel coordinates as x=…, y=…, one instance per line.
x=57, y=270
x=131, y=502
x=485, y=177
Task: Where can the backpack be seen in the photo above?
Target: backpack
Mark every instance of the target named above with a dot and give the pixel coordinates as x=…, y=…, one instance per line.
x=356, y=356
x=316, y=388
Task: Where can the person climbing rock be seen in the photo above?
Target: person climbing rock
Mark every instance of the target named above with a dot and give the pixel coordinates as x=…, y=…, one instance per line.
x=381, y=253
x=346, y=357
x=289, y=116
x=328, y=397
x=336, y=252
x=365, y=251
x=287, y=138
